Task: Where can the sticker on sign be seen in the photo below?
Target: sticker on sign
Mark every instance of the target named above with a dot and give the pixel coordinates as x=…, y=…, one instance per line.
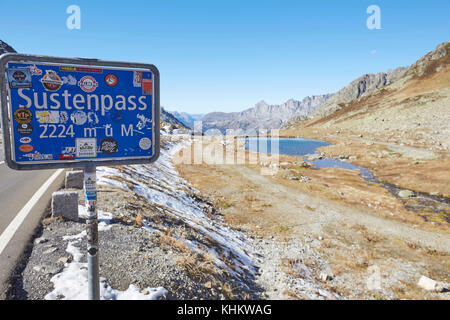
x=86, y=148
x=103, y=112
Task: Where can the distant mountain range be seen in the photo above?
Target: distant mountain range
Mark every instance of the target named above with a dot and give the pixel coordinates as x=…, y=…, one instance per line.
x=186, y=118
x=262, y=115
x=265, y=116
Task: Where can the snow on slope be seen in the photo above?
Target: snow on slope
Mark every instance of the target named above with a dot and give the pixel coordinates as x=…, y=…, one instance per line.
x=165, y=191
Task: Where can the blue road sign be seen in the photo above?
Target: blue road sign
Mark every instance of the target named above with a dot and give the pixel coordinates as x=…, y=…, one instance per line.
x=71, y=112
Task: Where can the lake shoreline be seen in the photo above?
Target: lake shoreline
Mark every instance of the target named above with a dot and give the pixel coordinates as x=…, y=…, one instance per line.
x=416, y=201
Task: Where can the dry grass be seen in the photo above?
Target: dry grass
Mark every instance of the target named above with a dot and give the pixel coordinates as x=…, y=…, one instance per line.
x=294, y=295
x=49, y=220
x=223, y=204
x=138, y=220
x=203, y=269
x=174, y=243
x=289, y=266
x=199, y=267
x=372, y=237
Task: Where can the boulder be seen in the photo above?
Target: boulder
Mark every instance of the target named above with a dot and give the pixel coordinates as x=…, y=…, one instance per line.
x=406, y=194
x=305, y=179
x=40, y=240
x=313, y=157
x=430, y=284
x=74, y=179
x=65, y=204
x=325, y=276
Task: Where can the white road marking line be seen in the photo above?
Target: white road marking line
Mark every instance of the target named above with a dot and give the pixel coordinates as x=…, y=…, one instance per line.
x=9, y=232
x=2, y=162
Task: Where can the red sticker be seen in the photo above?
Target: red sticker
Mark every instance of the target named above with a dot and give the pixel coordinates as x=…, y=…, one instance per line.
x=88, y=84
x=147, y=86
x=26, y=148
x=111, y=79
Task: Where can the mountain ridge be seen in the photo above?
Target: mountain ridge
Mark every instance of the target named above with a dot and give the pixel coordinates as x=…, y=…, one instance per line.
x=360, y=87
x=262, y=115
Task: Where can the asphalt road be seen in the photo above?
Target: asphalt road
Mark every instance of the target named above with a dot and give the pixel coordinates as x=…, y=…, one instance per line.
x=17, y=188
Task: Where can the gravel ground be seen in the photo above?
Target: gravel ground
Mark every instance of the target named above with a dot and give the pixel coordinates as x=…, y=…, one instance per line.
x=130, y=254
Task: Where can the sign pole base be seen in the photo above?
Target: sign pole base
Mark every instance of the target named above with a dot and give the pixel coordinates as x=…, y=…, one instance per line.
x=90, y=189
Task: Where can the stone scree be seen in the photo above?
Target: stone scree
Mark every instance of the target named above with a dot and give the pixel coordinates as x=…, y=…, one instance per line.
x=74, y=179
x=65, y=204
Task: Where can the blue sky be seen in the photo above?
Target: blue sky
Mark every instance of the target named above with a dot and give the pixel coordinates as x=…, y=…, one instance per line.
x=227, y=55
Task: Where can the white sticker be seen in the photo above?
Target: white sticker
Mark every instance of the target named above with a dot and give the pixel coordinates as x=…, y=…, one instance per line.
x=86, y=147
x=63, y=116
x=25, y=140
x=145, y=143
x=79, y=117
x=48, y=116
x=142, y=121
x=69, y=80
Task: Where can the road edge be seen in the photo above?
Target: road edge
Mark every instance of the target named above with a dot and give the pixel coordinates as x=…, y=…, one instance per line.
x=19, y=244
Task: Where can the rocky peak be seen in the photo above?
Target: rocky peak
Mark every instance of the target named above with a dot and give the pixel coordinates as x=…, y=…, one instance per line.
x=4, y=47
x=364, y=85
x=432, y=62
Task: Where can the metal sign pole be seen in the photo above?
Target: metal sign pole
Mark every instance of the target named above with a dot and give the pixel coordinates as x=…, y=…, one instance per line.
x=90, y=189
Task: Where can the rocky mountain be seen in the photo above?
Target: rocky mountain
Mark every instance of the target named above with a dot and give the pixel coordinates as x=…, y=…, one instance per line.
x=186, y=118
x=4, y=47
x=358, y=88
x=262, y=115
x=168, y=118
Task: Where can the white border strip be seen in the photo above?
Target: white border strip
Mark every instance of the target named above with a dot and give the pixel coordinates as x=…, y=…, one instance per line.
x=9, y=232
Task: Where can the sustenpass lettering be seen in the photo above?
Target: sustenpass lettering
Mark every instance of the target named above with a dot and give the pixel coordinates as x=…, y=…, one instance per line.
x=104, y=103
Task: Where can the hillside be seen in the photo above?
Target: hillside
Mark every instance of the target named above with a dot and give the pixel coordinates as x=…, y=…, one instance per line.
x=168, y=118
x=364, y=85
x=415, y=101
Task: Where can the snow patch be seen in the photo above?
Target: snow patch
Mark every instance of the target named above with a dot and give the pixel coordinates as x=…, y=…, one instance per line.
x=72, y=282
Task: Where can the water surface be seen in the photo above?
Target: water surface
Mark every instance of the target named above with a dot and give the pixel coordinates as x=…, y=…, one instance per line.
x=289, y=146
